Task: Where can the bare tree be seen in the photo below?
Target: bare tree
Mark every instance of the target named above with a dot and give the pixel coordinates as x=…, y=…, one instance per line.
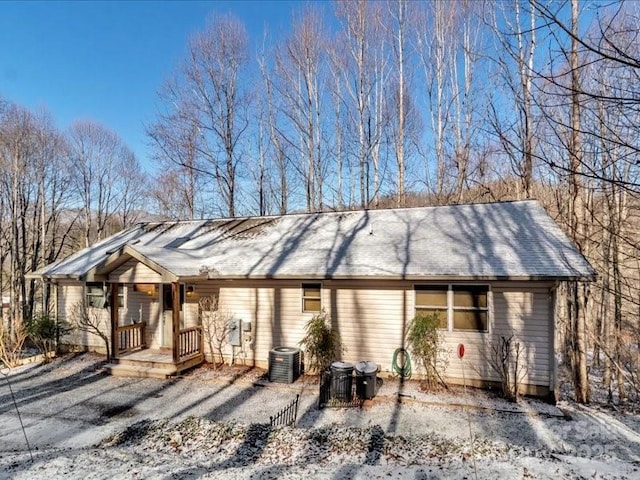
x=179, y=187
x=98, y=158
x=216, y=326
x=94, y=321
x=365, y=69
x=514, y=28
x=277, y=139
x=434, y=42
x=400, y=51
x=448, y=37
x=33, y=195
x=206, y=107
x=300, y=71
x=589, y=100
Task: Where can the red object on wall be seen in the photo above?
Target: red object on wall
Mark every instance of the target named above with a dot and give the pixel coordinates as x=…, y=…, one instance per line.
x=460, y=350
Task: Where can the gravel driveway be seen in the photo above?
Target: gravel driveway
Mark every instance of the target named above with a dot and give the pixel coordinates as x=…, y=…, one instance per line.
x=73, y=411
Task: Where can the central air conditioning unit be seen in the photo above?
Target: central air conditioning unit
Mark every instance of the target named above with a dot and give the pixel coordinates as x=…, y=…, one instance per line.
x=284, y=364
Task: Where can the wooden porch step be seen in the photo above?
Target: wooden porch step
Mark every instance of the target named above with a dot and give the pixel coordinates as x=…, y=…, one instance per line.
x=141, y=371
x=134, y=362
x=123, y=367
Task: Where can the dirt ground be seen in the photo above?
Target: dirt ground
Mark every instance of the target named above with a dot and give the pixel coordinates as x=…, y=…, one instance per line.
x=82, y=423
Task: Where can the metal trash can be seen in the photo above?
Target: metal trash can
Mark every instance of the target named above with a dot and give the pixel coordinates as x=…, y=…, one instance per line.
x=341, y=381
x=366, y=373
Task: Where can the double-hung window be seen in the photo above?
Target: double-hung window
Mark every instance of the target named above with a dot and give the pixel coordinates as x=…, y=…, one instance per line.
x=432, y=299
x=96, y=296
x=470, y=307
x=459, y=307
x=311, y=297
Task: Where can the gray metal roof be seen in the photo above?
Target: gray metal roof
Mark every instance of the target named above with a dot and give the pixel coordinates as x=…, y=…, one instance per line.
x=515, y=240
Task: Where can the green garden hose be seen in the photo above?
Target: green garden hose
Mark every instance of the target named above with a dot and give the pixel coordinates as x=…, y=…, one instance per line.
x=404, y=369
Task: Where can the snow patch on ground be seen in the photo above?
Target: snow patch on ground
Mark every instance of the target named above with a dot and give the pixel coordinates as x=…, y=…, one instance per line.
x=210, y=424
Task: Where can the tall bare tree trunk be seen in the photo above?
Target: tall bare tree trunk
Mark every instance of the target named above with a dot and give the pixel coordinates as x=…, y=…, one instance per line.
x=577, y=298
x=400, y=138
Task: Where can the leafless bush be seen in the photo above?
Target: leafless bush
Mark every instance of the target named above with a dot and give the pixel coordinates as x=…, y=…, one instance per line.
x=505, y=360
x=11, y=343
x=623, y=359
x=216, y=326
x=91, y=320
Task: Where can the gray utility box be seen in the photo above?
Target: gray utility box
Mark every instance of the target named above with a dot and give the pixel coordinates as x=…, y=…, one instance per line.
x=284, y=364
x=366, y=377
x=234, y=332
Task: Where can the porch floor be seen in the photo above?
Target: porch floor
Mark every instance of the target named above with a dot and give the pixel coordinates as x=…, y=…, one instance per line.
x=151, y=363
x=163, y=355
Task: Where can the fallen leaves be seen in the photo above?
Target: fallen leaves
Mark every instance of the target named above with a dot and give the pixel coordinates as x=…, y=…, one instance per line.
x=234, y=444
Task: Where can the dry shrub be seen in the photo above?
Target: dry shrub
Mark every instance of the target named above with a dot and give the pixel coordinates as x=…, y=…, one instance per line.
x=12, y=343
x=506, y=361
x=216, y=326
x=91, y=320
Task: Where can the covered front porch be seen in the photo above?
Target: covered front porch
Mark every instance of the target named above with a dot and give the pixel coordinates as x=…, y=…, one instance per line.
x=154, y=318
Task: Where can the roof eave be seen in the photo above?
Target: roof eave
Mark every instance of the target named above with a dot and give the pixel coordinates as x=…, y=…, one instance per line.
x=55, y=276
x=415, y=278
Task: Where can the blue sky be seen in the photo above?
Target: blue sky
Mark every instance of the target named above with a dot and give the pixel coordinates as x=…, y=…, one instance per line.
x=105, y=61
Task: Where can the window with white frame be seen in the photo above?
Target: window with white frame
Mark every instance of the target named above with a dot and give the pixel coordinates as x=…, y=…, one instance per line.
x=311, y=297
x=466, y=305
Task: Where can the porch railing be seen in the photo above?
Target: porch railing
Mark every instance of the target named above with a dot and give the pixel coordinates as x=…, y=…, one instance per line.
x=131, y=337
x=190, y=342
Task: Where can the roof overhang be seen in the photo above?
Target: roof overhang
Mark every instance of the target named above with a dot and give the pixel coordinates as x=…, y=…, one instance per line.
x=413, y=278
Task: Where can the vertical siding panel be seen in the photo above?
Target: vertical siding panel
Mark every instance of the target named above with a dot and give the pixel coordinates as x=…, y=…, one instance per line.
x=145, y=308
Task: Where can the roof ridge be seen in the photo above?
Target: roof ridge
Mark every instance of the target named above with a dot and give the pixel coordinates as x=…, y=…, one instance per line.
x=335, y=212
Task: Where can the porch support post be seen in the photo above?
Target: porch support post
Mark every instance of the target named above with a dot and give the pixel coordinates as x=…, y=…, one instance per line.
x=113, y=302
x=175, y=293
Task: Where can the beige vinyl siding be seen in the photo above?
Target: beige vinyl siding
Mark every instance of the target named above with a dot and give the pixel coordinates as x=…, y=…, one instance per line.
x=520, y=311
x=371, y=318
x=525, y=315
x=132, y=271
x=69, y=295
x=274, y=310
x=368, y=318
